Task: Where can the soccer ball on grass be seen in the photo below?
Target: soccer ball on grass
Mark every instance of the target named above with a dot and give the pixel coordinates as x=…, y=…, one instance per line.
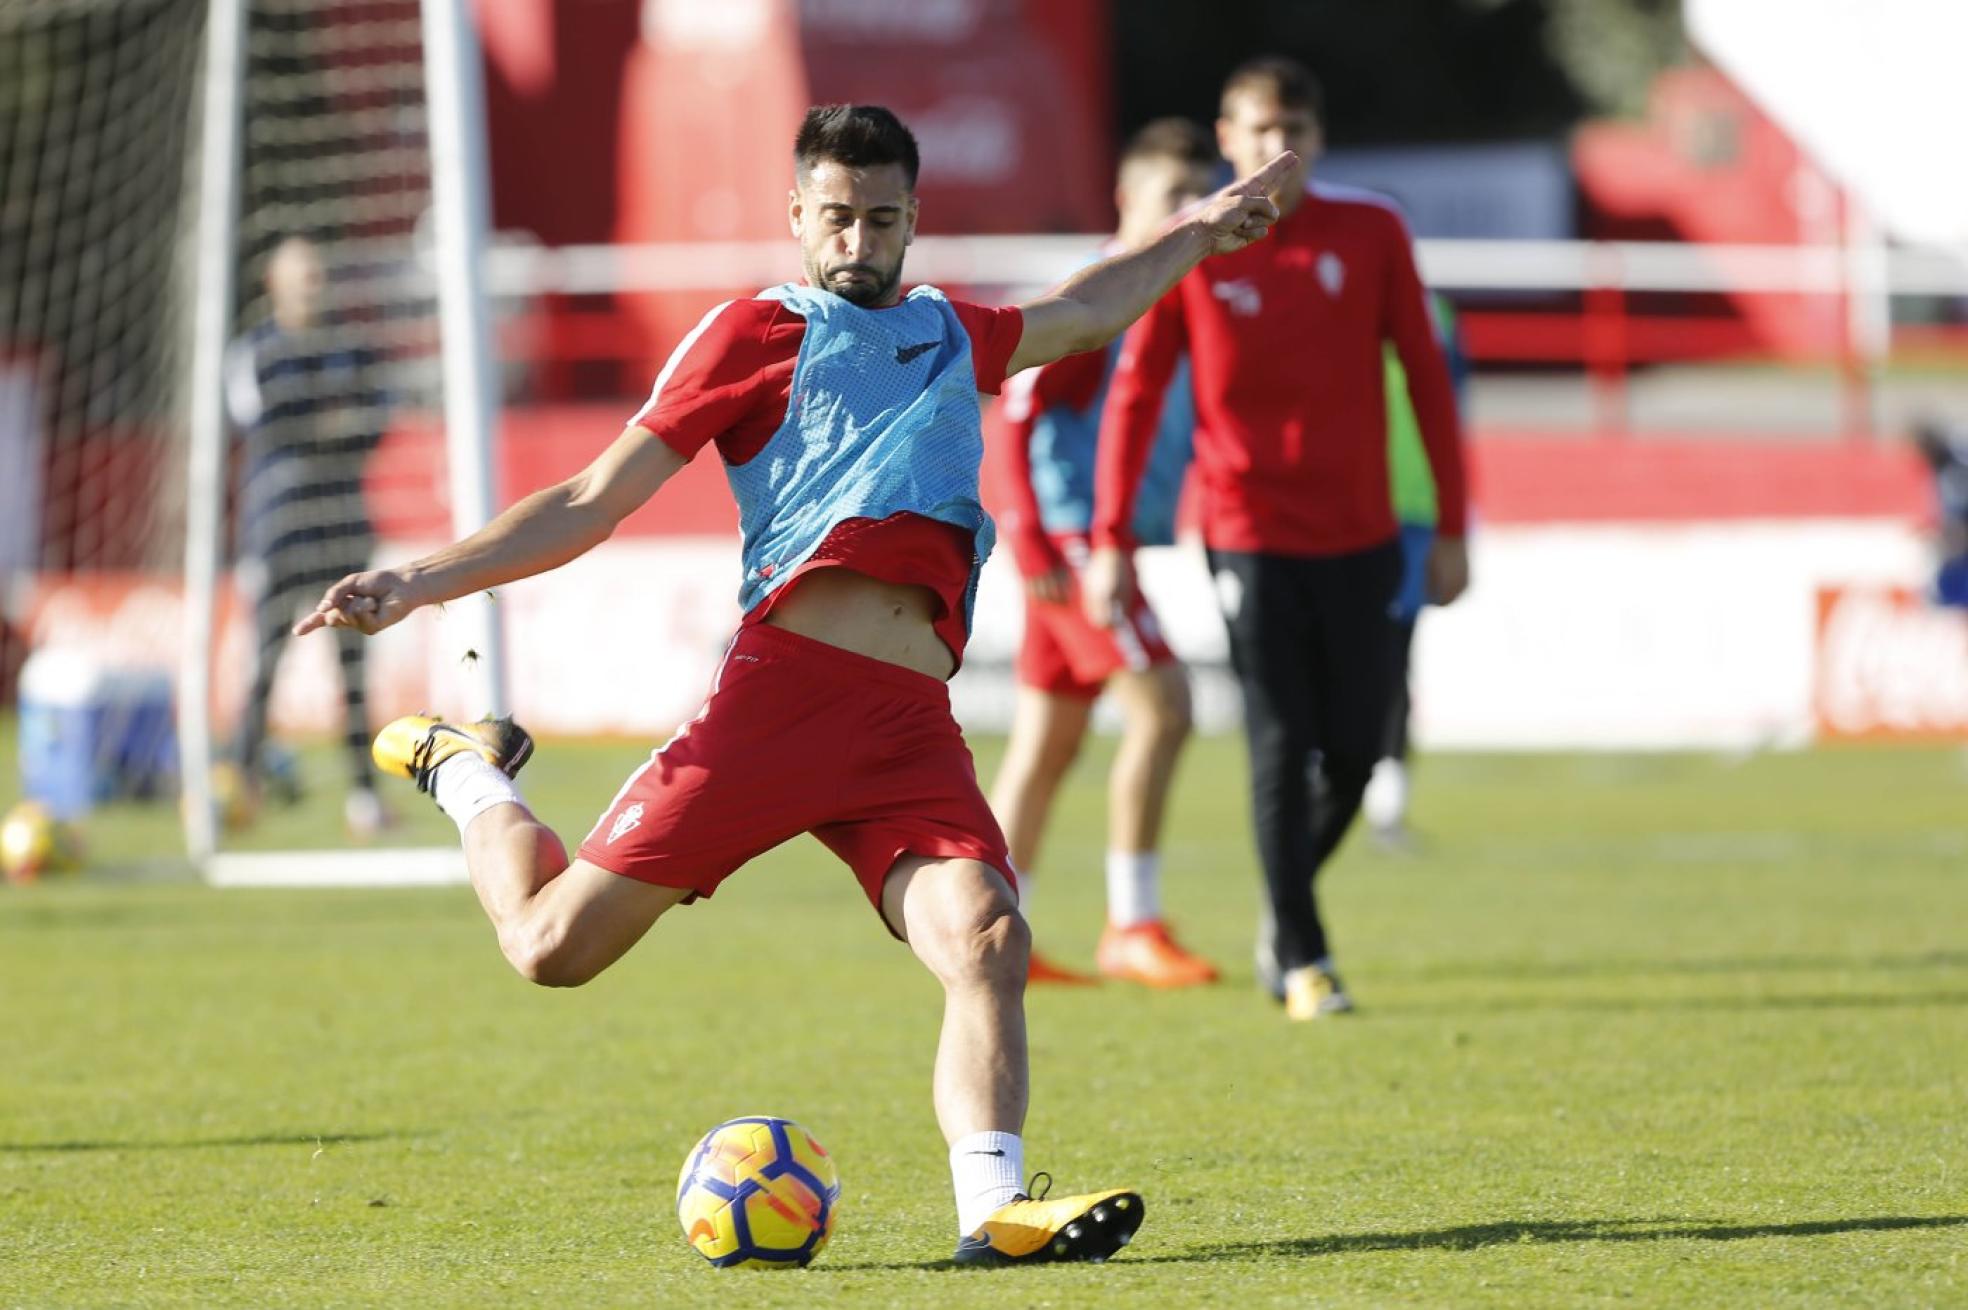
x=758, y=1193
x=33, y=842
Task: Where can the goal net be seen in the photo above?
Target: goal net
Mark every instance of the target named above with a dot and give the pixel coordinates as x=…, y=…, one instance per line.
x=232, y=210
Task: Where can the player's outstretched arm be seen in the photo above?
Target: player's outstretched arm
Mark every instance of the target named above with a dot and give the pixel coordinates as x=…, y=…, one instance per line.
x=1096, y=304
x=543, y=531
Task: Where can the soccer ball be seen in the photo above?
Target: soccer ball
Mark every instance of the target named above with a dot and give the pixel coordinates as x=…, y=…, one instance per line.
x=235, y=799
x=34, y=842
x=757, y=1193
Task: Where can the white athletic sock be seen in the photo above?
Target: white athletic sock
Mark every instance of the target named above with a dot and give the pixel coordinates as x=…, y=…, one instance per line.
x=1385, y=801
x=1134, y=887
x=987, y=1169
x=466, y=786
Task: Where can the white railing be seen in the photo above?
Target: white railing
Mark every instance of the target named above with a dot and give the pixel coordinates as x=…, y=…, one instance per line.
x=1036, y=261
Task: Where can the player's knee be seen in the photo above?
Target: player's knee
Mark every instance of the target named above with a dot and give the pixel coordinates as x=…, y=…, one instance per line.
x=1346, y=772
x=978, y=937
x=1172, y=718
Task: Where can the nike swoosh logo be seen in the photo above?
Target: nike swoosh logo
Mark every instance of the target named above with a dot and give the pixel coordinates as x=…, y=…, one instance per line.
x=903, y=354
x=998, y=1152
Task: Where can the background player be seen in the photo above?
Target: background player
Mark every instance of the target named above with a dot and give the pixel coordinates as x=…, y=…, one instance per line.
x=862, y=540
x=302, y=390
x=1285, y=341
x=1384, y=804
x=1943, y=447
x=1051, y=417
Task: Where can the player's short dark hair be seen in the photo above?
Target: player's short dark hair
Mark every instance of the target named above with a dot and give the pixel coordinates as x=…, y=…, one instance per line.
x=859, y=136
x=1178, y=140
x=1282, y=78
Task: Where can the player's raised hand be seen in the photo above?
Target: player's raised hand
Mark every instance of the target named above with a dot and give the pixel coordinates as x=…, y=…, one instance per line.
x=1243, y=212
x=367, y=602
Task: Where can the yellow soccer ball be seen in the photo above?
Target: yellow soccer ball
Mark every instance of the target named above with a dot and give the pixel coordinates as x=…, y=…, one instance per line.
x=758, y=1193
x=34, y=842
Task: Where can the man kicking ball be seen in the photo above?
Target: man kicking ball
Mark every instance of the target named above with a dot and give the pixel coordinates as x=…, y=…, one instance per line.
x=846, y=416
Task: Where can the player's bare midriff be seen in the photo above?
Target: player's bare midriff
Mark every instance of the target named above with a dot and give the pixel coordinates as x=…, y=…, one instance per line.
x=887, y=621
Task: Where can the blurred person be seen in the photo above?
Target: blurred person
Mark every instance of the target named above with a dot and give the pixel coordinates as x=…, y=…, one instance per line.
x=1285, y=344
x=1052, y=416
x=846, y=415
x=302, y=391
x=1943, y=446
x=1384, y=803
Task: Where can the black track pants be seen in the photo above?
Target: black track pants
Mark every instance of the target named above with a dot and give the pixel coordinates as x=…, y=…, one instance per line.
x=1313, y=645
x=287, y=595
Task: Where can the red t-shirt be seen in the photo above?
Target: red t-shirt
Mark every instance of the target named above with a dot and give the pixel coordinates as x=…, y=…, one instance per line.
x=1285, y=342
x=730, y=382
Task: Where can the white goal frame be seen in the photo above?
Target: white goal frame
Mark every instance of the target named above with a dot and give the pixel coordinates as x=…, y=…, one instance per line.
x=459, y=189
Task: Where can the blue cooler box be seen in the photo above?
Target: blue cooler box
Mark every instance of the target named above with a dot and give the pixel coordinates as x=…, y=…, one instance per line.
x=88, y=733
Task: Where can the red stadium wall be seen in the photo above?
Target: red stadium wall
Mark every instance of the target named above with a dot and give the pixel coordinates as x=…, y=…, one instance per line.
x=1653, y=594
x=1520, y=478
x=1708, y=166
x=660, y=120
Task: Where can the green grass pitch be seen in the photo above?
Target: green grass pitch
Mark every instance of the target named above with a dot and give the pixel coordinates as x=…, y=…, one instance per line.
x=1673, y=1031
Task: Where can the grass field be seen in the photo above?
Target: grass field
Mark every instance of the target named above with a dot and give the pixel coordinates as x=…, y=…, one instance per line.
x=1657, y=1031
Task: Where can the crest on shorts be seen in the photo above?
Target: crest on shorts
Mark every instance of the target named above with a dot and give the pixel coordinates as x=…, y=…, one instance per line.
x=626, y=821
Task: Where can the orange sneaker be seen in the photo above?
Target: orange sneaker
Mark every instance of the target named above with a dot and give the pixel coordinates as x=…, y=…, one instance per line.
x=1041, y=970
x=1145, y=953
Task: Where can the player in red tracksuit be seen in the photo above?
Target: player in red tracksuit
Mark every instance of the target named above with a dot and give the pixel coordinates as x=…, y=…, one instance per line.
x=1285, y=344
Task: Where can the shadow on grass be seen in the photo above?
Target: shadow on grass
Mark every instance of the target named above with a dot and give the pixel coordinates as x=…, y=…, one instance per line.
x=203, y=1143
x=1538, y=970
x=1473, y=1237
x=336, y=907
x=1642, y=1003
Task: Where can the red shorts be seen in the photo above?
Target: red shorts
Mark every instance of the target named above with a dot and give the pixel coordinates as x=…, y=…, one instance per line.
x=1065, y=653
x=799, y=736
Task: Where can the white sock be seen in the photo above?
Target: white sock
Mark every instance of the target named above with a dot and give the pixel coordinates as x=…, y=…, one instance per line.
x=1385, y=801
x=466, y=786
x=987, y=1169
x=1134, y=887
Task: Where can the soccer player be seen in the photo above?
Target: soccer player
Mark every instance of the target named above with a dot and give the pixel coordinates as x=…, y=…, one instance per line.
x=1285, y=342
x=1051, y=418
x=1384, y=804
x=302, y=391
x=846, y=416
x=1943, y=447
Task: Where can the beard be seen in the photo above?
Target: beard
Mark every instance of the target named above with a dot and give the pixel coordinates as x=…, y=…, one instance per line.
x=876, y=286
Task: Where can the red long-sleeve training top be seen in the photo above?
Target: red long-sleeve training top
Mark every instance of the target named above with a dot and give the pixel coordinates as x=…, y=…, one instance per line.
x=1285, y=346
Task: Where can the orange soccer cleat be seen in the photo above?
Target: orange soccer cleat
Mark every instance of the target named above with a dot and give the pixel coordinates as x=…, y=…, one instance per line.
x=1039, y=969
x=1145, y=953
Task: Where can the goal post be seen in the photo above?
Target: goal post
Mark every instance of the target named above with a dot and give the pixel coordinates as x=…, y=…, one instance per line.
x=352, y=133
x=213, y=259
x=455, y=92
